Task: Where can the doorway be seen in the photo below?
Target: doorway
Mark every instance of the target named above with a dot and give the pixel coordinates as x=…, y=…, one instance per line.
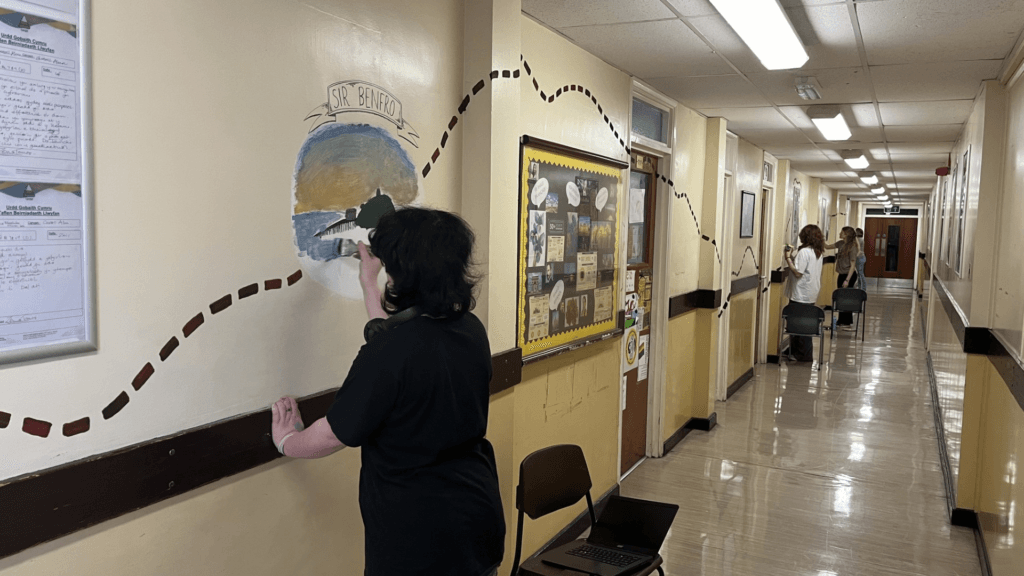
x=764, y=272
x=890, y=245
x=639, y=283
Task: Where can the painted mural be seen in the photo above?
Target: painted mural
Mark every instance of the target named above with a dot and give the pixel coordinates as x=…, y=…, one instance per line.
x=351, y=170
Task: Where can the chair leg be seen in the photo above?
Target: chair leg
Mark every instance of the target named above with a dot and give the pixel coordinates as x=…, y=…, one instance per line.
x=821, y=350
x=660, y=571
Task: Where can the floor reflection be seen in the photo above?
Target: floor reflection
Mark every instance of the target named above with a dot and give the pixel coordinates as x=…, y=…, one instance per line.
x=818, y=473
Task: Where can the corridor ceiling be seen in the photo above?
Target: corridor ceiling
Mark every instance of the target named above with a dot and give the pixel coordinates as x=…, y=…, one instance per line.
x=904, y=72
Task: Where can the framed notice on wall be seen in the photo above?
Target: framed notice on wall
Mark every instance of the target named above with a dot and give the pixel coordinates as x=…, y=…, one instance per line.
x=570, y=203
x=47, y=282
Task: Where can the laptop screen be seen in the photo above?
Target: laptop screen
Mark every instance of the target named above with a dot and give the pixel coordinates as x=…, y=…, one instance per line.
x=635, y=523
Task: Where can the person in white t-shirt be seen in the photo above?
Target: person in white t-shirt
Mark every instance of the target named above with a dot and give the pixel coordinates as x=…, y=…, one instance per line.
x=806, y=276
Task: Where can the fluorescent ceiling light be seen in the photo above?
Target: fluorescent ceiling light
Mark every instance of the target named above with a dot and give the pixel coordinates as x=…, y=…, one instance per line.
x=766, y=30
x=883, y=198
x=858, y=163
x=869, y=180
x=879, y=190
x=830, y=122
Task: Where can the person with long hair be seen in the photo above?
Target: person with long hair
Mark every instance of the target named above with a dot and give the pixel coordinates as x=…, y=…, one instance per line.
x=416, y=400
x=862, y=259
x=805, y=272
x=847, y=252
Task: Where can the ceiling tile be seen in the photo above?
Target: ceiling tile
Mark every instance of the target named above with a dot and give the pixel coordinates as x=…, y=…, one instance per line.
x=796, y=152
x=727, y=43
x=565, y=13
x=844, y=185
x=792, y=3
x=919, y=113
x=838, y=86
x=933, y=159
x=903, y=31
x=689, y=8
x=864, y=115
x=932, y=81
x=919, y=147
x=650, y=49
x=918, y=185
x=858, y=134
x=827, y=34
x=769, y=139
x=931, y=133
x=763, y=118
x=697, y=92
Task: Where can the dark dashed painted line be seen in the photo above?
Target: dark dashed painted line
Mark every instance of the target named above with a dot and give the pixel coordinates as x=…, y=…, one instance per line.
x=192, y=325
x=114, y=407
x=35, y=427
x=250, y=290
x=77, y=427
x=744, y=259
x=165, y=352
x=140, y=379
x=220, y=304
x=41, y=428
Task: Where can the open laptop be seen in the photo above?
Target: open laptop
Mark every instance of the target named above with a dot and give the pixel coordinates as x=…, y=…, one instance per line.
x=627, y=536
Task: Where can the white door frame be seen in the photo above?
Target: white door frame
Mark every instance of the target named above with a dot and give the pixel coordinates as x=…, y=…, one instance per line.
x=764, y=271
x=657, y=371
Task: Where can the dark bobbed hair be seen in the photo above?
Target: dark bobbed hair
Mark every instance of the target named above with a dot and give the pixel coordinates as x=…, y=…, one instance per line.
x=811, y=236
x=860, y=233
x=428, y=254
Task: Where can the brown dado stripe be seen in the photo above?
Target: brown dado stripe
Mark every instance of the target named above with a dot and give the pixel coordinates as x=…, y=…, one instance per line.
x=741, y=285
x=47, y=505
x=1008, y=366
x=829, y=260
x=980, y=340
x=683, y=303
x=507, y=370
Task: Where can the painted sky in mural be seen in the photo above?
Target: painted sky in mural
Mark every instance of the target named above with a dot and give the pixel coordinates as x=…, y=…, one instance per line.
x=347, y=175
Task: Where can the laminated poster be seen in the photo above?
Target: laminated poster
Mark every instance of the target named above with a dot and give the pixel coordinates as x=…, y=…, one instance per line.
x=45, y=286
x=641, y=358
x=571, y=205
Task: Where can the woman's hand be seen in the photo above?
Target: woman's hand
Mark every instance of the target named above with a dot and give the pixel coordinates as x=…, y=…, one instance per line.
x=285, y=421
x=369, y=266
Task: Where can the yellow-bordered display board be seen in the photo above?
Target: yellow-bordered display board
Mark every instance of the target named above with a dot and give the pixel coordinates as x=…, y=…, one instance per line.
x=569, y=208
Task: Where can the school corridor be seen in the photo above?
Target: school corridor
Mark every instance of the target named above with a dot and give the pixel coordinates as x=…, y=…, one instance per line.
x=819, y=472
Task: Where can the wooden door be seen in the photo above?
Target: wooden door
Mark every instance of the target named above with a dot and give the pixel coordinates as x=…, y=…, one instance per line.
x=890, y=245
x=639, y=286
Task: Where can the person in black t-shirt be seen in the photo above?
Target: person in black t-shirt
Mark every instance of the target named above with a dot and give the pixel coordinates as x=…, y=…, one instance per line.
x=416, y=401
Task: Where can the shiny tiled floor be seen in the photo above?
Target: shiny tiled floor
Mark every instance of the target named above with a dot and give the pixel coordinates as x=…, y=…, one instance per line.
x=818, y=473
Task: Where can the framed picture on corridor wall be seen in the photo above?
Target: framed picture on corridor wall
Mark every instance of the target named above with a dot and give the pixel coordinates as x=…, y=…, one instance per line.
x=747, y=203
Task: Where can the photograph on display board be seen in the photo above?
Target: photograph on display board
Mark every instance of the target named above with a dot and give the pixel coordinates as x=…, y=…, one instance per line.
x=570, y=205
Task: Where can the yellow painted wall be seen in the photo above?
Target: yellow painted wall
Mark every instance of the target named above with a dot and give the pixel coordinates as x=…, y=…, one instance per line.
x=997, y=491
x=775, y=304
x=569, y=399
x=950, y=363
x=705, y=362
x=685, y=245
x=742, y=324
x=679, y=381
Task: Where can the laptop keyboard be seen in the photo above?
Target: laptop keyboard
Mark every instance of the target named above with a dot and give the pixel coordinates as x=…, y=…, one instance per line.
x=603, y=555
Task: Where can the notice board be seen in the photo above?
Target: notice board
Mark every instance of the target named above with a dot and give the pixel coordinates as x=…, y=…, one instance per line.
x=569, y=209
x=46, y=251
